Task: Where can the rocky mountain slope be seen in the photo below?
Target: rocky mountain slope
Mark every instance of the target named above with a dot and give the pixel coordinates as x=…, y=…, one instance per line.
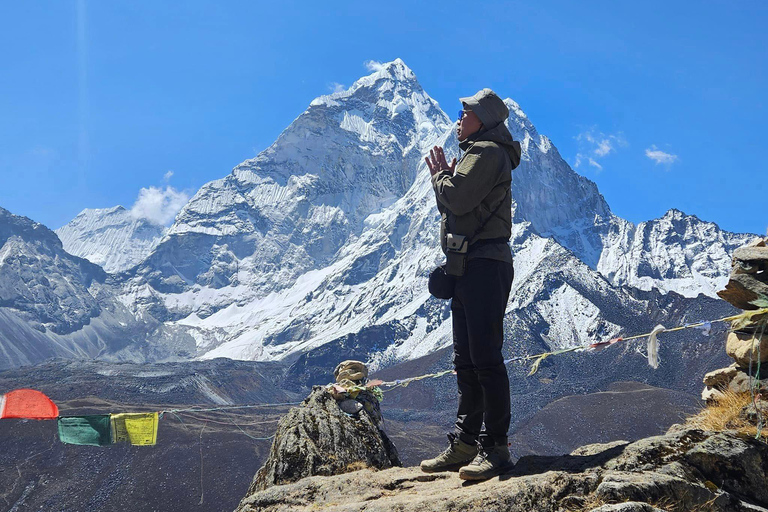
x=677, y=252
x=320, y=444
x=53, y=304
x=110, y=237
x=331, y=232
x=326, y=238
x=202, y=462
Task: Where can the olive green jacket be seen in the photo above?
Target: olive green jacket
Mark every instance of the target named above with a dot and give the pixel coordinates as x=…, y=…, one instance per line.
x=480, y=183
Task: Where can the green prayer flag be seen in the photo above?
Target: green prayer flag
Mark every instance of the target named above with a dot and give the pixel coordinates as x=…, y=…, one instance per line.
x=92, y=430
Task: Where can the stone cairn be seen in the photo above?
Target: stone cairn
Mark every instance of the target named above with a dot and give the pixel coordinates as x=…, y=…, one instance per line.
x=338, y=428
x=747, y=341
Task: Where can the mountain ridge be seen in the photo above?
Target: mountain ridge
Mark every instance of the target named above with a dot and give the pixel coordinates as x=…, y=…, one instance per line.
x=332, y=231
x=112, y=238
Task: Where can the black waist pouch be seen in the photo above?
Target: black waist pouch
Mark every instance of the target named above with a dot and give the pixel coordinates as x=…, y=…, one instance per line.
x=441, y=285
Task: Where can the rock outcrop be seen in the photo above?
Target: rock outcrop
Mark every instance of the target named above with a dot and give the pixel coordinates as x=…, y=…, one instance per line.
x=748, y=284
x=747, y=343
x=324, y=436
x=681, y=471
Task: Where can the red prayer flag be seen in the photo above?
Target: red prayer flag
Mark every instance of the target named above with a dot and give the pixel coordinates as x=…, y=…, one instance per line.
x=603, y=344
x=27, y=404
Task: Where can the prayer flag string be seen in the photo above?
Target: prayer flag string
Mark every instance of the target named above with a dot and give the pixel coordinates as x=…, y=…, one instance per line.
x=652, y=346
x=140, y=429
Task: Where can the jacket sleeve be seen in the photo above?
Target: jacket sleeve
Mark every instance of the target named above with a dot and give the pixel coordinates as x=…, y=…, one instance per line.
x=440, y=206
x=475, y=176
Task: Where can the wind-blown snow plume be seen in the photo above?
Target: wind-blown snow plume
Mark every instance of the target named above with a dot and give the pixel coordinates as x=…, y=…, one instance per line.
x=372, y=65
x=159, y=205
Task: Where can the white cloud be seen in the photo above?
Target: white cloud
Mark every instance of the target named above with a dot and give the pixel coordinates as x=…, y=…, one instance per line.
x=659, y=156
x=604, y=147
x=337, y=87
x=159, y=205
x=167, y=176
x=373, y=65
x=600, y=144
x=595, y=145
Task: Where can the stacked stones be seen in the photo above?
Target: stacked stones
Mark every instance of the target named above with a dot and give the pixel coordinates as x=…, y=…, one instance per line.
x=351, y=377
x=747, y=343
x=338, y=428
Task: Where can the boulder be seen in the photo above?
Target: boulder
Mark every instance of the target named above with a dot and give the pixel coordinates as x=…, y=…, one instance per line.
x=755, y=412
x=734, y=378
x=410, y=490
x=751, y=254
x=746, y=347
x=657, y=487
x=742, y=383
x=720, y=378
x=734, y=462
x=319, y=438
x=354, y=371
x=711, y=395
x=748, y=285
x=745, y=291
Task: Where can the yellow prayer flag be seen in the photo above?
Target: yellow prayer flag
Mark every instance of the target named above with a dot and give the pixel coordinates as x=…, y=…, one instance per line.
x=139, y=429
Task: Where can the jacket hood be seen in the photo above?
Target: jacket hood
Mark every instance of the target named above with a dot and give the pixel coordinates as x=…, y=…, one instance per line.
x=501, y=136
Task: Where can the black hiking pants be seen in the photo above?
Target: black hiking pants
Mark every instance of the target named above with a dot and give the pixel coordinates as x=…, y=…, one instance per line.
x=477, y=310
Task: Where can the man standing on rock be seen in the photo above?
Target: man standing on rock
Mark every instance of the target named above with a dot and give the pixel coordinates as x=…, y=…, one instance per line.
x=474, y=200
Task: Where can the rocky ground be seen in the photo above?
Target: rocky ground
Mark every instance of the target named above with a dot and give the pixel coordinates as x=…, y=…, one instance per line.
x=331, y=454
x=682, y=471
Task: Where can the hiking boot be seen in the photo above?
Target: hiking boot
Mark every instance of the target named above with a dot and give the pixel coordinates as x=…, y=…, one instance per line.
x=457, y=455
x=491, y=461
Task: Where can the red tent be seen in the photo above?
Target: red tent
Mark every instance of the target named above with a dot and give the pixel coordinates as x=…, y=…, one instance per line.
x=27, y=404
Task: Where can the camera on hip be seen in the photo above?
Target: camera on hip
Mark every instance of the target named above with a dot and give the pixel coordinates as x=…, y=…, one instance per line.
x=456, y=247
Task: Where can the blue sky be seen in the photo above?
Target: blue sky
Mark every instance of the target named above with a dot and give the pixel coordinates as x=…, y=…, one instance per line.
x=662, y=104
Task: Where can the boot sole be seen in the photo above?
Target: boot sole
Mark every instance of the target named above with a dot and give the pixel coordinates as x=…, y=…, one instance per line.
x=487, y=475
x=454, y=467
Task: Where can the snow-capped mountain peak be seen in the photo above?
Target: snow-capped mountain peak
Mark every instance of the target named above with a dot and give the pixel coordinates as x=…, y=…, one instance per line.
x=113, y=238
x=676, y=252
x=327, y=236
x=390, y=72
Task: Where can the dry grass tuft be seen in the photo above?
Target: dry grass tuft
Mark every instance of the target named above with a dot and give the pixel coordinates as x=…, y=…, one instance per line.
x=724, y=415
x=582, y=503
x=356, y=466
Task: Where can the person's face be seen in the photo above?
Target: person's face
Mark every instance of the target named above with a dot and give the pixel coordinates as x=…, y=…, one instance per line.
x=468, y=124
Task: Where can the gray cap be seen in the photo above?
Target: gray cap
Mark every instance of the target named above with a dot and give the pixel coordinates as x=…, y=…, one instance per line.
x=488, y=106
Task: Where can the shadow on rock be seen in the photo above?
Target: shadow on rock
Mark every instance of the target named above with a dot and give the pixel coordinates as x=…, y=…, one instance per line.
x=579, y=461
